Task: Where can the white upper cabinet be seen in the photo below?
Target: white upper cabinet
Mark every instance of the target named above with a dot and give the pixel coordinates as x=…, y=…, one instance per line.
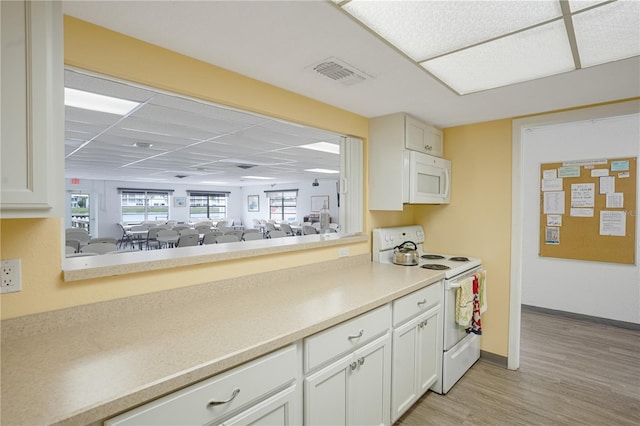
x=390, y=137
x=422, y=137
x=32, y=107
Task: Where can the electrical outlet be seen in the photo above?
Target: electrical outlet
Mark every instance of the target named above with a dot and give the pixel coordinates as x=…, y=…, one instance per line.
x=343, y=252
x=11, y=279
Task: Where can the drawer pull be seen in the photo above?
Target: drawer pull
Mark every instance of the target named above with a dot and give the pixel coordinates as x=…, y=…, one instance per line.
x=235, y=393
x=353, y=365
x=361, y=360
x=357, y=336
x=422, y=302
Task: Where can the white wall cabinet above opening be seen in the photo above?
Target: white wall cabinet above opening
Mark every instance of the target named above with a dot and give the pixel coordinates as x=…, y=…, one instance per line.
x=32, y=109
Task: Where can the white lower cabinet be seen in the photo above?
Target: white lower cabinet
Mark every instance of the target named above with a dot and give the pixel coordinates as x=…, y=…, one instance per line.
x=348, y=372
x=354, y=390
x=265, y=391
x=417, y=357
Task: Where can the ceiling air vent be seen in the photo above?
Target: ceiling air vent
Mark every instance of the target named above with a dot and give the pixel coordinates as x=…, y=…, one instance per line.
x=245, y=166
x=180, y=176
x=339, y=71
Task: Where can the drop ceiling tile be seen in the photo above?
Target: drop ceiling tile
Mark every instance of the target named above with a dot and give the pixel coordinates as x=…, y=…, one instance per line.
x=531, y=54
x=424, y=29
x=608, y=33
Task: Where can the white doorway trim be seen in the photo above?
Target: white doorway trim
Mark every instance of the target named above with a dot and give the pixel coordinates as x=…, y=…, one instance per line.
x=519, y=129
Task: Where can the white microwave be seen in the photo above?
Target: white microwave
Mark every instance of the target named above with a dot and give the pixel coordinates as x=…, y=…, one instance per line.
x=427, y=179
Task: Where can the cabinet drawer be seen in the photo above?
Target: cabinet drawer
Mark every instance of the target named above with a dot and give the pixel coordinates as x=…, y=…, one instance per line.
x=417, y=302
x=344, y=337
x=192, y=406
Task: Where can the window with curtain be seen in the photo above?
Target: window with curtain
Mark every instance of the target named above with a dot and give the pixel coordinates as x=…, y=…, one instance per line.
x=142, y=205
x=208, y=205
x=283, y=204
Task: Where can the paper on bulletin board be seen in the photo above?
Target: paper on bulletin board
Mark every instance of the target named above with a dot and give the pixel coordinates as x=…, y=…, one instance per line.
x=581, y=212
x=554, y=220
x=551, y=184
x=552, y=235
x=554, y=202
x=550, y=174
x=615, y=200
x=607, y=184
x=569, y=171
x=613, y=223
x=599, y=172
x=583, y=194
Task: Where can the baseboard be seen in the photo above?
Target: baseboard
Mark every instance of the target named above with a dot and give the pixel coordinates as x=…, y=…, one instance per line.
x=582, y=317
x=495, y=359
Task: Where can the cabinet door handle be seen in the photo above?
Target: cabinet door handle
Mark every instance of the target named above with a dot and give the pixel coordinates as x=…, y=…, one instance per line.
x=422, y=302
x=361, y=360
x=353, y=365
x=235, y=393
x=357, y=336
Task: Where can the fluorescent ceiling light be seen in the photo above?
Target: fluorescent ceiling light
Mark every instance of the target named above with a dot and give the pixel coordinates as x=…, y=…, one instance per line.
x=257, y=177
x=331, y=148
x=424, y=29
x=322, y=171
x=94, y=102
x=608, y=33
x=536, y=53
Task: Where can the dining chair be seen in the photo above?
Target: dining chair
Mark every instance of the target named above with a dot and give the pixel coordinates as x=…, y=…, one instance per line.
x=203, y=229
x=286, y=228
x=187, y=231
x=270, y=226
x=169, y=234
x=125, y=239
x=227, y=238
x=152, y=237
x=99, y=248
x=309, y=230
x=69, y=250
x=138, y=234
x=210, y=237
x=277, y=234
x=188, y=240
x=250, y=236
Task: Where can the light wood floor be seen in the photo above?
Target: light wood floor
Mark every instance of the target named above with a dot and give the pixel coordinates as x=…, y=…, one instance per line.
x=572, y=372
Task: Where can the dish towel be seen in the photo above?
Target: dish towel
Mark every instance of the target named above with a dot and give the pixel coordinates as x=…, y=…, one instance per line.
x=476, y=324
x=464, y=303
x=482, y=278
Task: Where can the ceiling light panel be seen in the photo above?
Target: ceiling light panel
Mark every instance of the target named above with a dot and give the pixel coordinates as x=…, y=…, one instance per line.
x=94, y=102
x=608, y=33
x=323, y=147
x=531, y=54
x=425, y=29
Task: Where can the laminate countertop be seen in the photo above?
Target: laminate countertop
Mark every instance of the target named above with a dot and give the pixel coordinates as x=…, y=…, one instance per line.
x=86, y=364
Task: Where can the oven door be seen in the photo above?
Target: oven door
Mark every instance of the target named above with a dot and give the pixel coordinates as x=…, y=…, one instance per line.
x=452, y=332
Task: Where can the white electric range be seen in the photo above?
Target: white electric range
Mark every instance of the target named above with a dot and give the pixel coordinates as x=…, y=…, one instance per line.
x=460, y=350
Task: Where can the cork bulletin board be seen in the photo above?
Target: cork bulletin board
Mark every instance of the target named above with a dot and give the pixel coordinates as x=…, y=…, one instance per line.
x=588, y=210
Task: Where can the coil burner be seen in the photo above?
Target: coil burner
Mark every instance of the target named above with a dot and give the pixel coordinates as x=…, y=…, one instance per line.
x=432, y=256
x=435, y=266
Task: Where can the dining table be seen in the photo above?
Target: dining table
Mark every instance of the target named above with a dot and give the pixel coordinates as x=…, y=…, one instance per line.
x=139, y=236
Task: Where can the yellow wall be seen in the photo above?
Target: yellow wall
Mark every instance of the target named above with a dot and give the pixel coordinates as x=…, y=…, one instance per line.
x=478, y=221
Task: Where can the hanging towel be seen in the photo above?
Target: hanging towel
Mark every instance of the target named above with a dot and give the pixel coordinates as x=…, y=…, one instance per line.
x=482, y=278
x=476, y=324
x=464, y=303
